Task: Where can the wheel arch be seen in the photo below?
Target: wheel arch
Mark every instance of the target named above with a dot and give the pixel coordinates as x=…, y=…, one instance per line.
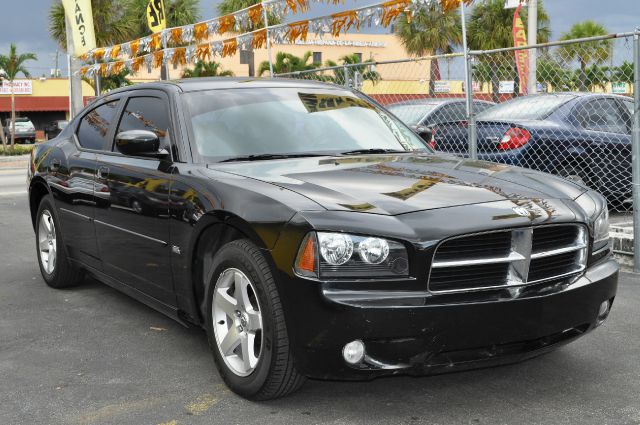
x=215, y=230
x=38, y=189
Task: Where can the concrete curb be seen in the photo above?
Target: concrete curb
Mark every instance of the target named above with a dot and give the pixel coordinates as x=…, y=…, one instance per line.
x=14, y=158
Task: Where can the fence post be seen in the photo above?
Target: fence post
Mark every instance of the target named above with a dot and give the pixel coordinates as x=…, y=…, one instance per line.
x=346, y=76
x=471, y=116
x=265, y=18
x=635, y=157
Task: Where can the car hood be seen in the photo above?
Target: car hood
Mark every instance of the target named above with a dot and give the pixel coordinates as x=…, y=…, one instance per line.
x=398, y=184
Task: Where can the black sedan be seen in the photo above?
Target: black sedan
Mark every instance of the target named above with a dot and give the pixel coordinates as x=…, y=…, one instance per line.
x=585, y=137
x=312, y=234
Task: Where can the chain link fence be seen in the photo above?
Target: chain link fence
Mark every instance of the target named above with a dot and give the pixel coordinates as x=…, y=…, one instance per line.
x=576, y=120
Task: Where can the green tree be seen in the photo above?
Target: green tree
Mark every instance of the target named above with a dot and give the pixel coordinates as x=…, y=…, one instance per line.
x=623, y=73
x=13, y=64
x=552, y=73
x=111, y=21
x=178, y=13
x=593, y=52
x=594, y=76
x=206, y=69
x=491, y=27
x=364, y=71
x=287, y=62
x=430, y=31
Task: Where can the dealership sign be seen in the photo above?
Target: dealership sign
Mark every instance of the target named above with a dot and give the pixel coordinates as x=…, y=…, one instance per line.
x=619, y=88
x=19, y=87
x=441, y=86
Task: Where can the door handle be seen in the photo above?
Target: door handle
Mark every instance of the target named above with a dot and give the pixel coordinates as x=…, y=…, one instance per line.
x=55, y=164
x=102, y=173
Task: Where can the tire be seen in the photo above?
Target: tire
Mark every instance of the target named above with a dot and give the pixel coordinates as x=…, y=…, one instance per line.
x=57, y=272
x=270, y=372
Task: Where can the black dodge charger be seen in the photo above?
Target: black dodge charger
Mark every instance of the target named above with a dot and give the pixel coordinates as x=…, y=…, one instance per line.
x=312, y=234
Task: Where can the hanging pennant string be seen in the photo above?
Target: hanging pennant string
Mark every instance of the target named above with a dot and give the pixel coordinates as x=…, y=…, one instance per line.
x=336, y=24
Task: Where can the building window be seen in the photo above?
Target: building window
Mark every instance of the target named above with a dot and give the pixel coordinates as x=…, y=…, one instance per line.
x=359, y=56
x=317, y=57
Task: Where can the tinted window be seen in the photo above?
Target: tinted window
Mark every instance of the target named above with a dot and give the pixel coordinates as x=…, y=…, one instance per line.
x=602, y=115
x=287, y=120
x=537, y=107
x=94, y=127
x=146, y=113
x=411, y=113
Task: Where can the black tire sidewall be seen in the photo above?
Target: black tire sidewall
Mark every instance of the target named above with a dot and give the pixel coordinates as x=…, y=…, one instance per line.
x=233, y=256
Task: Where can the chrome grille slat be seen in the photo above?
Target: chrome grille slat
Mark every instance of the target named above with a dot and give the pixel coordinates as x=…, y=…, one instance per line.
x=532, y=255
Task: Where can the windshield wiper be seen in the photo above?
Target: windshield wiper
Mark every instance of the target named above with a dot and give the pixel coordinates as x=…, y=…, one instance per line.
x=267, y=156
x=373, y=151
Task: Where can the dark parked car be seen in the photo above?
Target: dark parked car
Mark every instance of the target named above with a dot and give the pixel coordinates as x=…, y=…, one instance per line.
x=582, y=136
x=312, y=234
x=25, y=130
x=430, y=112
x=54, y=128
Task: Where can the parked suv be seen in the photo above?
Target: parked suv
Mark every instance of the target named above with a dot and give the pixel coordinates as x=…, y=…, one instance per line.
x=25, y=130
x=313, y=234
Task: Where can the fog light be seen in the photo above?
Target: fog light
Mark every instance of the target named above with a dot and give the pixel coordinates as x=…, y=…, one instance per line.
x=604, y=310
x=353, y=352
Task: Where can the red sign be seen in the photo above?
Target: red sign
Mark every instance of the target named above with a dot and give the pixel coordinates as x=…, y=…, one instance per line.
x=522, y=56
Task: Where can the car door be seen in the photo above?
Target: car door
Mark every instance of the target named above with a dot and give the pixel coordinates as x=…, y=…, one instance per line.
x=72, y=181
x=133, y=221
x=606, y=123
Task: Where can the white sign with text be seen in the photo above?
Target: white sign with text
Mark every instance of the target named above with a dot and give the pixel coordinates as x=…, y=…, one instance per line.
x=19, y=87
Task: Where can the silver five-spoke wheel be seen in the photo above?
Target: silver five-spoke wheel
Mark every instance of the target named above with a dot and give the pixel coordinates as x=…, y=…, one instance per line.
x=47, y=241
x=237, y=321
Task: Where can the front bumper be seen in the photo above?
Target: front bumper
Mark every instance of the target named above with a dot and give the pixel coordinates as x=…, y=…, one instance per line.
x=428, y=338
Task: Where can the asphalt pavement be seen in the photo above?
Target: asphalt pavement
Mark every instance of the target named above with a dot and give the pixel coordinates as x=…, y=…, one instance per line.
x=91, y=355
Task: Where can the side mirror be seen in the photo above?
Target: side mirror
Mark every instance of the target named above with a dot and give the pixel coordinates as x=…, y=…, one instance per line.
x=139, y=143
x=425, y=132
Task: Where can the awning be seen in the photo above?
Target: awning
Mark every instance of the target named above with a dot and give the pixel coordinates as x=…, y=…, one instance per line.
x=37, y=103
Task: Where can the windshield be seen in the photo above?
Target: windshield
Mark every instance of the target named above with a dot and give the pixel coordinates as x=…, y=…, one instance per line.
x=525, y=108
x=412, y=114
x=239, y=122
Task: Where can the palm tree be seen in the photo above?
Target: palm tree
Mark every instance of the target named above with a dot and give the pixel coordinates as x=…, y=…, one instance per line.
x=594, y=76
x=552, y=73
x=287, y=62
x=111, y=21
x=364, y=71
x=206, y=69
x=595, y=52
x=178, y=13
x=430, y=31
x=491, y=27
x=623, y=73
x=13, y=64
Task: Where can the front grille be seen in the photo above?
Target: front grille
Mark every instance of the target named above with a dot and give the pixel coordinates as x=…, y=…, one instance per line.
x=508, y=258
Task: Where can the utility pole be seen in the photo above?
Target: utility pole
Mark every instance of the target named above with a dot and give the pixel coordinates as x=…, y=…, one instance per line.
x=533, y=53
x=75, y=83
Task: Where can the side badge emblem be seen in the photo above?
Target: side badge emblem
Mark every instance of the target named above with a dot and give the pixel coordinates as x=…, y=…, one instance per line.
x=175, y=249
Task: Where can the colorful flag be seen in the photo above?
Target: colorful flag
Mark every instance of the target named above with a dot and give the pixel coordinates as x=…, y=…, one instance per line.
x=522, y=56
x=156, y=18
x=80, y=16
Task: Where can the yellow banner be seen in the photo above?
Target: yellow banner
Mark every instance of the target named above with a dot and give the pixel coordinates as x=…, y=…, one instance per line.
x=156, y=18
x=80, y=16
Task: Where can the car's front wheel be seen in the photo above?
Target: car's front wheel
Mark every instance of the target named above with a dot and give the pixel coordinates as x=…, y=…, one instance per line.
x=56, y=269
x=246, y=327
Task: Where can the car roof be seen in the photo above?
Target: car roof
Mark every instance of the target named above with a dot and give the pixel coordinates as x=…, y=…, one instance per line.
x=216, y=83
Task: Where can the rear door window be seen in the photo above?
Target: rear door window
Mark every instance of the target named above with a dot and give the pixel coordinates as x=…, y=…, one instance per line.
x=603, y=115
x=94, y=126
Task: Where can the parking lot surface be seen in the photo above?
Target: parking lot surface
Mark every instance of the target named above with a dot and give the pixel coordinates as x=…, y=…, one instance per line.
x=91, y=355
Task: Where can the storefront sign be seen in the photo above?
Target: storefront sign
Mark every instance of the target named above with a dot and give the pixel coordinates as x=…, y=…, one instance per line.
x=19, y=87
x=442, y=87
x=506, y=87
x=619, y=88
x=351, y=43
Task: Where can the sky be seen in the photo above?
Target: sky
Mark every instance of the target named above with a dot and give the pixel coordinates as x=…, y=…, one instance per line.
x=25, y=23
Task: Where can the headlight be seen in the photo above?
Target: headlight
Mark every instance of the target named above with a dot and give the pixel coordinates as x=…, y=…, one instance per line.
x=341, y=255
x=601, y=230
x=596, y=208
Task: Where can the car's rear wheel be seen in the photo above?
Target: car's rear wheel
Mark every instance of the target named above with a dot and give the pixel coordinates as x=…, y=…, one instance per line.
x=56, y=269
x=245, y=325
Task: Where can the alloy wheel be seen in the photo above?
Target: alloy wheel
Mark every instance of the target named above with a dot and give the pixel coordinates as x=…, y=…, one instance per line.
x=237, y=322
x=47, y=245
